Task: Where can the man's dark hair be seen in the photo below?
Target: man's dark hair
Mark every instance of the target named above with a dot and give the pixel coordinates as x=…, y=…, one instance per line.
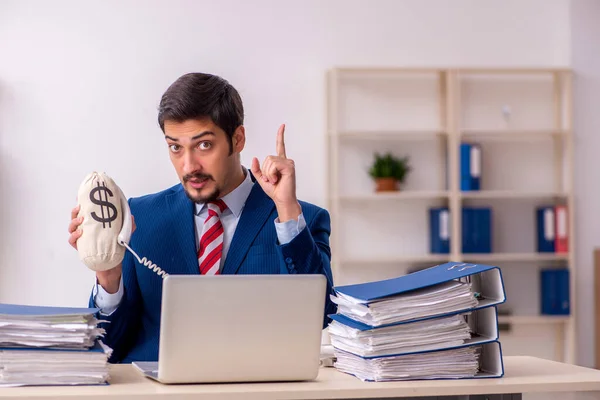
x=199, y=95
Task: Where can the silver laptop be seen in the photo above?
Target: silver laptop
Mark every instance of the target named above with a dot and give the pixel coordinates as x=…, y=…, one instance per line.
x=239, y=328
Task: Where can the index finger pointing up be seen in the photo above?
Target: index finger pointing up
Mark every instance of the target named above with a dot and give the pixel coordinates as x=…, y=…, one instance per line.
x=280, y=142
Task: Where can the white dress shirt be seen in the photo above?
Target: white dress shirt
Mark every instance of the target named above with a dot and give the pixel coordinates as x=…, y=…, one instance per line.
x=235, y=202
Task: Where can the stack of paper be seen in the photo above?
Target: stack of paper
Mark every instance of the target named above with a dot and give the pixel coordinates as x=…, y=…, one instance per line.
x=51, y=346
x=443, y=298
x=456, y=363
x=406, y=338
x=439, y=323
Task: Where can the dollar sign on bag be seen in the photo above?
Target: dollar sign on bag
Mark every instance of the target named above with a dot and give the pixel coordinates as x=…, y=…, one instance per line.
x=103, y=202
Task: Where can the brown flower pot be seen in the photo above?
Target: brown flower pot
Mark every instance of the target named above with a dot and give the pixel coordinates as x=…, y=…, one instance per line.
x=386, y=184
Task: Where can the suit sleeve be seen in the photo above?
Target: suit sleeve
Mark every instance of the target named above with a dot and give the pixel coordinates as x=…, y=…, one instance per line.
x=122, y=325
x=309, y=253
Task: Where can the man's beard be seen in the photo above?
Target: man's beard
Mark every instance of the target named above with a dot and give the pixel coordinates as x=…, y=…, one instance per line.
x=214, y=195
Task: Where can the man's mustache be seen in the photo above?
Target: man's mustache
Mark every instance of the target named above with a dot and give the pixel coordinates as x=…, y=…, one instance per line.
x=197, y=176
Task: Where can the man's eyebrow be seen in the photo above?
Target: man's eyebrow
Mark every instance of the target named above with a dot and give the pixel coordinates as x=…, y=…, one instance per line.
x=198, y=136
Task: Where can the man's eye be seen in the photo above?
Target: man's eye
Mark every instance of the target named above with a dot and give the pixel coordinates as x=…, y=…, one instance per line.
x=174, y=148
x=204, y=145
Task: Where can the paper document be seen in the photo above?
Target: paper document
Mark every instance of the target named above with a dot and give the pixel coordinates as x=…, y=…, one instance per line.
x=444, y=298
x=455, y=363
x=425, y=335
x=436, y=323
x=51, y=346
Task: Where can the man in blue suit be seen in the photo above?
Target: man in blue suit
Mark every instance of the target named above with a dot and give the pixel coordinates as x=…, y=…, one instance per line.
x=220, y=219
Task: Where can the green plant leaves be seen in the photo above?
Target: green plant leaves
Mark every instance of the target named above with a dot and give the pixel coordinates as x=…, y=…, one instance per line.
x=389, y=166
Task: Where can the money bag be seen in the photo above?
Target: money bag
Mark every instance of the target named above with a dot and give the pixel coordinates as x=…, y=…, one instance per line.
x=99, y=199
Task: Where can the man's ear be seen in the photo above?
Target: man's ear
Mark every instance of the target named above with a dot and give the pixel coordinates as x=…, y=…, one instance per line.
x=239, y=139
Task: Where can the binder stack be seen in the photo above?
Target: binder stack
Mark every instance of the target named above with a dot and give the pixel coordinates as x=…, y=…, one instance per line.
x=51, y=346
x=437, y=323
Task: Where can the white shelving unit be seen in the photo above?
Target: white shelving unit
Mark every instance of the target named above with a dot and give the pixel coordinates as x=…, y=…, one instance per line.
x=527, y=161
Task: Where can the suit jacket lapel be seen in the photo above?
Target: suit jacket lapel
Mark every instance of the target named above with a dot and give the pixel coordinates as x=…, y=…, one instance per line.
x=257, y=209
x=182, y=215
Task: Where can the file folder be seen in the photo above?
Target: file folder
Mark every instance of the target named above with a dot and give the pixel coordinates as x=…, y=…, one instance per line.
x=470, y=166
x=477, y=230
x=555, y=291
x=21, y=310
x=43, y=345
x=483, y=324
x=562, y=230
x=482, y=232
x=546, y=231
x=439, y=230
x=490, y=363
x=486, y=280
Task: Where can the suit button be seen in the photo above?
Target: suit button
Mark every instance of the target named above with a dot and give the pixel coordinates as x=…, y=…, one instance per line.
x=288, y=260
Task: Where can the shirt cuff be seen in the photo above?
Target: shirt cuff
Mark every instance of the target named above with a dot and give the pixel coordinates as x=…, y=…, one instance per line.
x=288, y=230
x=107, y=302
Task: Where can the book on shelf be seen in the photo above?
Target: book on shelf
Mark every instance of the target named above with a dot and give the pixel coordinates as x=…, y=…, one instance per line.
x=470, y=166
x=476, y=230
x=555, y=291
x=552, y=229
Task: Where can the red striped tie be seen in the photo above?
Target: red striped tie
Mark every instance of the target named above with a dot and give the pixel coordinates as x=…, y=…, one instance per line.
x=211, y=242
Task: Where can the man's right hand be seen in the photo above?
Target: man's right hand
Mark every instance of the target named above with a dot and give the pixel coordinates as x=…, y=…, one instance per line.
x=109, y=279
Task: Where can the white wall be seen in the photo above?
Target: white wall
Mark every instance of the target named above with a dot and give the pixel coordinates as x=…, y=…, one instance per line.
x=585, y=49
x=80, y=83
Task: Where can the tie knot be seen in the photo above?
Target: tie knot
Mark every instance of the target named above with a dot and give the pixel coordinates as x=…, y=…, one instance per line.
x=216, y=207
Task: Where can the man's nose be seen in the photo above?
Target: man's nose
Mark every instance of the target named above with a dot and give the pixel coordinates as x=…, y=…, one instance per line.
x=190, y=163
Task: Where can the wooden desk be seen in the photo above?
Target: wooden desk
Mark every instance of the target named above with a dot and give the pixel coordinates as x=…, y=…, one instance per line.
x=522, y=375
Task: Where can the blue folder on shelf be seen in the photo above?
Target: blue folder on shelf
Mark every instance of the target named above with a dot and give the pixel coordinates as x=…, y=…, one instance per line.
x=554, y=285
x=477, y=229
x=546, y=233
x=470, y=166
x=486, y=280
x=439, y=230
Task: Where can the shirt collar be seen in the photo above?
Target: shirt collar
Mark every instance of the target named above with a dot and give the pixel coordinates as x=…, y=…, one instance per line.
x=236, y=199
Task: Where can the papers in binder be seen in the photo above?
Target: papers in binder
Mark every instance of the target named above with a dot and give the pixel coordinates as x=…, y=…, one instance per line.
x=432, y=324
x=407, y=338
x=481, y=361
x=440, y=299
x=444, y=289
x=61, y=328
x=476, y=327
x=51, y=346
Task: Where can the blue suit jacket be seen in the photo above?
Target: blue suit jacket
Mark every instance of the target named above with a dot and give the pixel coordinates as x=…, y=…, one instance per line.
x=165, y=234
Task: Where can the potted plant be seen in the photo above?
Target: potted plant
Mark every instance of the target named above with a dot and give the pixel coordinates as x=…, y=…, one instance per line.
x=388, y=171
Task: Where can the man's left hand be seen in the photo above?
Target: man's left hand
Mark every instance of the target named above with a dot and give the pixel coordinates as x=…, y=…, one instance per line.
x=277, y=177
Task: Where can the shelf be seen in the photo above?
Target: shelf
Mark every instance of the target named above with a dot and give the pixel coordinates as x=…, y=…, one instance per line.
x=523, y=119
x=524, y=257
x=497, y=257
x=425, y=258
x=366, y=135
x=513, y=134
x=510, y=194
x=399, y=195
x=533, y=319
x=461, y=69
